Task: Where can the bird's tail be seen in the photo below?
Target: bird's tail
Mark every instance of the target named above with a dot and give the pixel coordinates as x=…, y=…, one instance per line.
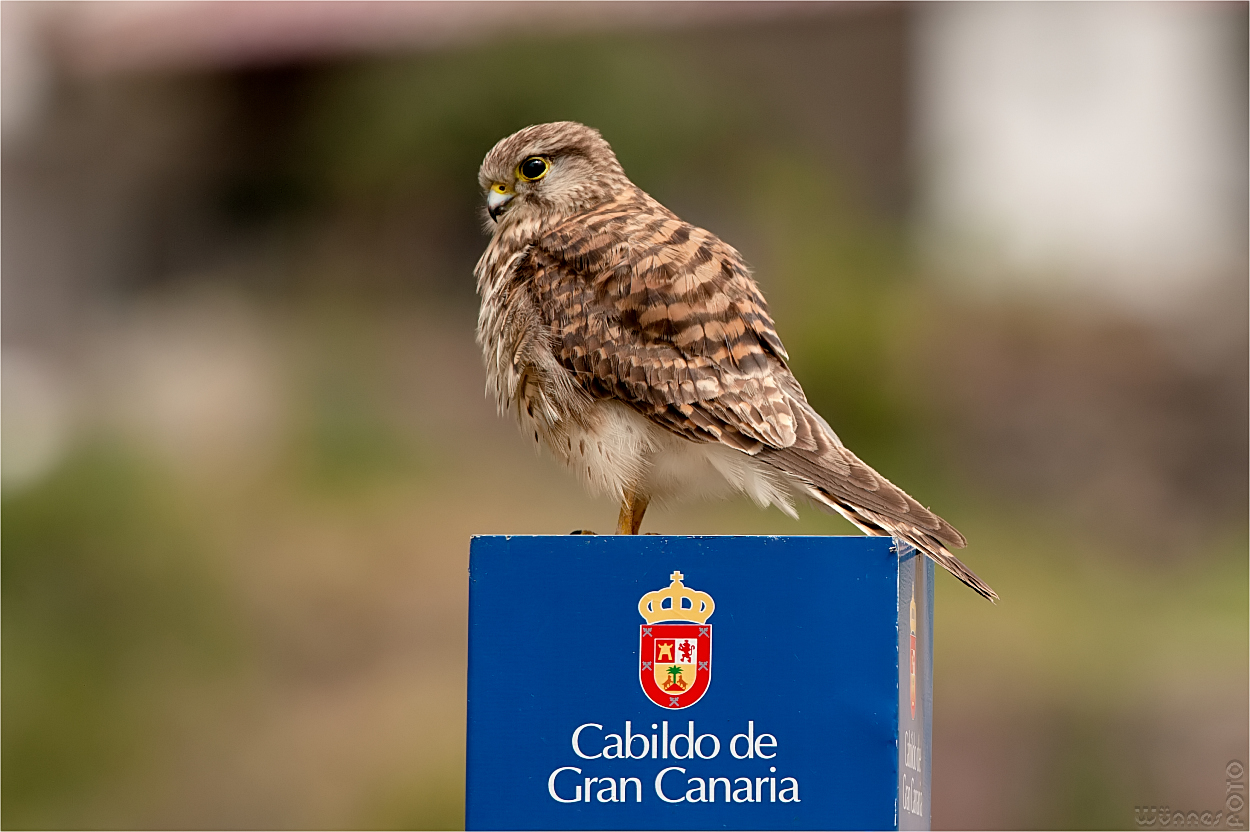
x=872, y=523
x=839, y=481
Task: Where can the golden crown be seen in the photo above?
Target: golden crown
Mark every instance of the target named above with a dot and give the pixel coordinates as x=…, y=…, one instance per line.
x=684, y=604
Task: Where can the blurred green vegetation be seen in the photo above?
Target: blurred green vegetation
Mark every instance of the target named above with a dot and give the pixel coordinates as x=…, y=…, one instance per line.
x=396, y=127
x=1088, y=668
x=109, y=606
x=343, y=441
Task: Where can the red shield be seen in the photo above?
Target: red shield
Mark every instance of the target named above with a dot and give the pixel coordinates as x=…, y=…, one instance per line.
x=675, y=663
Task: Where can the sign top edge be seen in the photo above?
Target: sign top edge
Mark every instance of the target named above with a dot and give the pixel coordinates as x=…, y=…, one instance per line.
x=866, y=537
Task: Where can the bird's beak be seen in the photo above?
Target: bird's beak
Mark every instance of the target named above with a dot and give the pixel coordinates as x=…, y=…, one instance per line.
x=497, y=198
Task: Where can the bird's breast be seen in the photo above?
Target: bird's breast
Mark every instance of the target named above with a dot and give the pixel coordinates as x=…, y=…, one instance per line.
x=523, y=373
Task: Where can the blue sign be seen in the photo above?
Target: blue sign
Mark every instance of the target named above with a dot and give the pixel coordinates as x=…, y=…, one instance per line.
x=655, y=682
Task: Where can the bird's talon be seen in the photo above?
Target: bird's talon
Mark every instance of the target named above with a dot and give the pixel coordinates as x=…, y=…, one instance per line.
x=581, y=531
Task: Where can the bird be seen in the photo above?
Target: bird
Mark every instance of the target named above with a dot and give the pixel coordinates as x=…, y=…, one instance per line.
x=639, y=351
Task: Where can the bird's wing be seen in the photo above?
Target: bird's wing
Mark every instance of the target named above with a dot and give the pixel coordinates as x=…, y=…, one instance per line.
x=661, y=315
x=664, y=316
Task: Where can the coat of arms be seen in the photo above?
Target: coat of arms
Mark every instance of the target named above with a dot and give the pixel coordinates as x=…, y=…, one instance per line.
x=675, y=647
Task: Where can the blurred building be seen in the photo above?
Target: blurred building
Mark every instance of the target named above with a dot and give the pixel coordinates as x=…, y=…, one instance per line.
x=1094, y=149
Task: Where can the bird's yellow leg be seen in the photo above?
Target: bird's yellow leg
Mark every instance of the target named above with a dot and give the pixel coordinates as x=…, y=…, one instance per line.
x=632, y=509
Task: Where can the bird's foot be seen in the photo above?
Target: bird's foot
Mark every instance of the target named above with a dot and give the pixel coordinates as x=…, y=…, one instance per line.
x=582, y=531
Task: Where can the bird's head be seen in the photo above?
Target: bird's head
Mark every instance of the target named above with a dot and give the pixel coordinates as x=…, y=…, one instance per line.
x=548, y=171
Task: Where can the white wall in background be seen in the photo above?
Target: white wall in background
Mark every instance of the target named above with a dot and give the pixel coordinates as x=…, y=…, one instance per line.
x=1095, y=147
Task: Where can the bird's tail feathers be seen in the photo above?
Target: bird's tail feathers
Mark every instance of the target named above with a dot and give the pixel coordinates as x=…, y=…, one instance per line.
x=870, y=522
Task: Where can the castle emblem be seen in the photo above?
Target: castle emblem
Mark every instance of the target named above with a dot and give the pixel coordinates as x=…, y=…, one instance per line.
x=675, y=645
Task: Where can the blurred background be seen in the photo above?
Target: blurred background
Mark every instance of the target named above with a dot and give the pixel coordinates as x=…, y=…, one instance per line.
x=245, y=439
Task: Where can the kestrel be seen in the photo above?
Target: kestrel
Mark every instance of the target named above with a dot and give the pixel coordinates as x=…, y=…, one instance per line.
x=638, y=350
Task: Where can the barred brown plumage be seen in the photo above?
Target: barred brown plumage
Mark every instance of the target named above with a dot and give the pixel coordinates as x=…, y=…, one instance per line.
x=638, y=349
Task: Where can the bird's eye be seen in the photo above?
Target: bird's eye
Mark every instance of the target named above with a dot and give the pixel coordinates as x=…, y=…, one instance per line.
x=535, y=167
